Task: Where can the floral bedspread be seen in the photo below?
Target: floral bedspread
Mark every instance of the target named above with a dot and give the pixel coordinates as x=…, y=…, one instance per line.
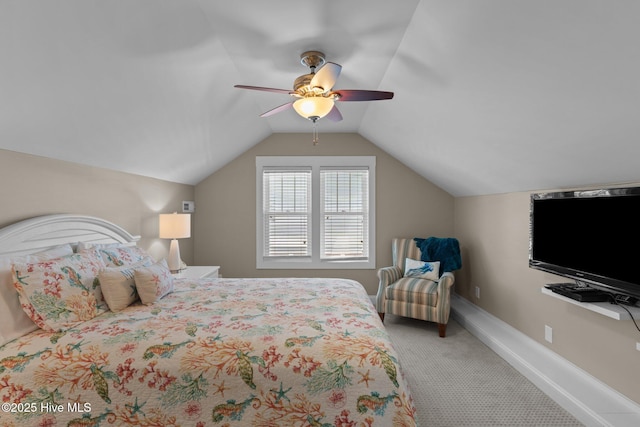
x=225, y=352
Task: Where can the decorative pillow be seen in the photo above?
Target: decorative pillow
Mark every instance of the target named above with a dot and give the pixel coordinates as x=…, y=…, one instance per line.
x=83, y=246
x=118, y=284
x=14, y=322
x=60, y=293
x=153, y=282
x=422, y=269
x=119, y=256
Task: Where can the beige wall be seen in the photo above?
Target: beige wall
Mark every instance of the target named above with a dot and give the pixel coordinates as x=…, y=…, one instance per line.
x=494, y=231
x=407, y=205
x=32, y=186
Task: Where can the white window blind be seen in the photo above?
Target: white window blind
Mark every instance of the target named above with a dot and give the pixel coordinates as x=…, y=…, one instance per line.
x=315, y=212
x=345, y=213
x=287, y=212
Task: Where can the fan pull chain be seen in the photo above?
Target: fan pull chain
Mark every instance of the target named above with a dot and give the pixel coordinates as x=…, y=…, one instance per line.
x=315, y=131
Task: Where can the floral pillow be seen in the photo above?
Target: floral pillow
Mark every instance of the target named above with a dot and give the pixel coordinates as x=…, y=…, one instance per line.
x=14, y=322
x=153, y=282
x=60, y=293
x=118, y=285
x=119, y=256
x=422, y=269
x=83, y=246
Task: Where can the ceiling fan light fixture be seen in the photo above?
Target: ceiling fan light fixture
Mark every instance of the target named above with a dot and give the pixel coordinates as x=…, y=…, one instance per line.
x=315, y=97
x=313, y=107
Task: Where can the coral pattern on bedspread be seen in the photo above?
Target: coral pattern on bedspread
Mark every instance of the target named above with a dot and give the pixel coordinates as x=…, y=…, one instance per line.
x=226, y=352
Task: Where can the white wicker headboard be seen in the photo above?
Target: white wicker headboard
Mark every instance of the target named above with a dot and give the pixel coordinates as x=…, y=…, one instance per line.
x=43, y=232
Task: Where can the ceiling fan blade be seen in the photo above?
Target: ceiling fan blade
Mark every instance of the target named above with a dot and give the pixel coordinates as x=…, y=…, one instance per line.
x=334, y=115
x=326, y=76
x=266, y=89
x=277, y=110
x=362, y=95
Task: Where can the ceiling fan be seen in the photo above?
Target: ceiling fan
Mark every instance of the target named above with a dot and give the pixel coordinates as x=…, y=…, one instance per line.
x=314, y=91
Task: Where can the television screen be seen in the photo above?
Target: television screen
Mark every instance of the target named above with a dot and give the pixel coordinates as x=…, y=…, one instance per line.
x=589, y=236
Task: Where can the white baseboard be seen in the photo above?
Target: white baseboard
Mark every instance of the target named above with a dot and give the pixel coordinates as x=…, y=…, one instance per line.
x=588, y=399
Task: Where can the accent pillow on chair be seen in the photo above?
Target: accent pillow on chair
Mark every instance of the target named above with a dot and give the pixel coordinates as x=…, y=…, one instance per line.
x=422, y=269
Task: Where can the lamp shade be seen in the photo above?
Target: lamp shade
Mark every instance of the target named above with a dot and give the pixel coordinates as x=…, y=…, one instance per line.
x=313, y=106
x=175, y=226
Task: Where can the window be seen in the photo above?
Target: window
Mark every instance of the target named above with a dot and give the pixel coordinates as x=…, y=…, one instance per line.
x=287, y=212
x=344, y=195
x=315, y=212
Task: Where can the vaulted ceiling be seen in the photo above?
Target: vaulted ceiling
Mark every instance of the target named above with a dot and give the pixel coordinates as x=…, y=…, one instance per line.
x=491, y=96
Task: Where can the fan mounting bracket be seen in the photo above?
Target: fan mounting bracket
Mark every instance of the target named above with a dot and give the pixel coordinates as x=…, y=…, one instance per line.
x=312, y=59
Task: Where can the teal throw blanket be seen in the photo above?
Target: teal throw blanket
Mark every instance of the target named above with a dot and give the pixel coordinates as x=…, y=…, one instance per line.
x=446, y=250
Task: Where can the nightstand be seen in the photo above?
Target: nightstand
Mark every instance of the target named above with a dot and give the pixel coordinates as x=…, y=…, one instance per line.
x=199, y=272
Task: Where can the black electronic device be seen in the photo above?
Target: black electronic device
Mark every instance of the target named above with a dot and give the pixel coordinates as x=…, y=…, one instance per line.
x=579, y=293
x=588, y=236
x=625, y=300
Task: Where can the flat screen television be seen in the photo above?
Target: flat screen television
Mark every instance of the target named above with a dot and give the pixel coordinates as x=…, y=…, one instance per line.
x=590, y=236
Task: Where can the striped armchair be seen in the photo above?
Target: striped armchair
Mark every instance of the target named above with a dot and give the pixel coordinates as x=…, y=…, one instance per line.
x=414, y=297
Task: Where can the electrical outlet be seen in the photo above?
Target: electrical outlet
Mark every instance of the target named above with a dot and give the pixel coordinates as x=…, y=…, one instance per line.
x=478, y=292
x=638, y=346
x=548, y=333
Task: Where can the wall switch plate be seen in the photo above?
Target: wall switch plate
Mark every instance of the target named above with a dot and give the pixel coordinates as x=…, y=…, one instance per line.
x=548, y=333
x=188, y=206
x=478, y=292
x=638, y=346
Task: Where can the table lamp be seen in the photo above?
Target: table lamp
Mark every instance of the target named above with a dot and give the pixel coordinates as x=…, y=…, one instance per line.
x=174, y=226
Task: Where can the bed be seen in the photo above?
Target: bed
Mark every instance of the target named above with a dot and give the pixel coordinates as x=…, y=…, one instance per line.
x=206, y=352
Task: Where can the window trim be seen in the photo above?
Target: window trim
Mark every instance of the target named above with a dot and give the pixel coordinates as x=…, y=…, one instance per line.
x=315, y=162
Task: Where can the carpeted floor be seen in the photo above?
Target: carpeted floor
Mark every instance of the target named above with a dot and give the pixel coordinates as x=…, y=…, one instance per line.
x=458, y=381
